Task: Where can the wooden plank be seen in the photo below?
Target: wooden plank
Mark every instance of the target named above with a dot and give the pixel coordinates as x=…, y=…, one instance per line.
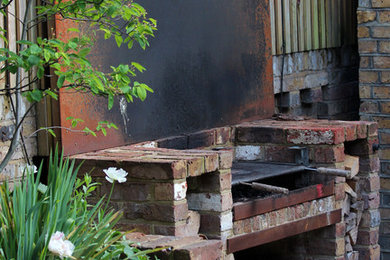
x=273, y=26
x=301, y=26
x=2, y=45
x=12, y=33
x=335, y=19
x=308, y=30
x=243, y=210
x=322, y=23
x=287, y=25
x=294, y=25
x=279, y=36
x=328, y=13
x=344, y=21
x=249, y=240
x=315, y=25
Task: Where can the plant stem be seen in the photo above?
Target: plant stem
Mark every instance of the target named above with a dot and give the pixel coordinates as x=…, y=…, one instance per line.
x=109, y=196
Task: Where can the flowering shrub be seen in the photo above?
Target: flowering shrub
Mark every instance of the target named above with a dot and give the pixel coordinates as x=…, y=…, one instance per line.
x=55, y=220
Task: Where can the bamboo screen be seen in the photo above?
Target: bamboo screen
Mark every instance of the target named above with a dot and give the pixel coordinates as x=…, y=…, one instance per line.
x=312, y=24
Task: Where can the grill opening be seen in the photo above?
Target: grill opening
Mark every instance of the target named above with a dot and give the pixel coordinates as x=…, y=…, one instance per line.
x=293, y=180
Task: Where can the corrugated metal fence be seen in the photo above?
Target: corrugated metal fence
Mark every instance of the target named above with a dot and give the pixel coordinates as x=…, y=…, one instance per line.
x=312, y=24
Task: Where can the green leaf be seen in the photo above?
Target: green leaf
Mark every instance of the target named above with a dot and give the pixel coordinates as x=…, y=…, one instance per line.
x=138, y=66
x=46, y=55
x=36, y=95
x=25, y=42
x=84, y=52
x=104, y=131
x=110, y=101
x=141, y=92
x=147, y=87
x=89, y=131
x=33, y=60
x=51, y=132
x=52, y=94
x=118, y=40
x=40, y=72
x=72, y=45
x=60, y=81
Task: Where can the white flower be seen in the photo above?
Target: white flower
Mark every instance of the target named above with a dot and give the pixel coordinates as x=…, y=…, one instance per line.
x=114, y=174
x=31, y=168
x=59, y=246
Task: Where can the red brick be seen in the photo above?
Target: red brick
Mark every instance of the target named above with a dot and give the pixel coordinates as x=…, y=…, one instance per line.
x=335, y=247
x=225, y=158
x=371, y=200
x=362, y=147
x=370, y=164
x=155, y=170
x=128, y=191
x=208, y=249
x=214, y=224
x=223, y=135
x=361, y=130
x=174, y=142
x=369, y=252
x=279, y=153
x=177, y=229
x=253, y=134
x=333, y=231
x=195, y=166
x=199, y=139
x=350, y=132
x=370, y=183
x=157, y=212
x=370, y=219
x=327, y=154
x=214, y=181
x=137, y=227
x=316, y=136
x=165, y=191
x=339, y=191
x=211, y=162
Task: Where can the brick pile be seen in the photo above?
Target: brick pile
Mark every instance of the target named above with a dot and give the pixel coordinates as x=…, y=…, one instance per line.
x=374, y=77
x=187, y=192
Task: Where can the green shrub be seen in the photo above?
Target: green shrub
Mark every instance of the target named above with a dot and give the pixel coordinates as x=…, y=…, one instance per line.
x=47, y=222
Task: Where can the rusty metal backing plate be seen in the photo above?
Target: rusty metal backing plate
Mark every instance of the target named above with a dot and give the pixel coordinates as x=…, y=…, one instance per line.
x=210, y=65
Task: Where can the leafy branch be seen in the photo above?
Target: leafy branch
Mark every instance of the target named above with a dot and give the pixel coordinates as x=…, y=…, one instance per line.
x=67, y=59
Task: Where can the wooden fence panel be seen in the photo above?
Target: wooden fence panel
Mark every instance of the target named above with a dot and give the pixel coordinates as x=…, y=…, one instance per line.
x=312, y=24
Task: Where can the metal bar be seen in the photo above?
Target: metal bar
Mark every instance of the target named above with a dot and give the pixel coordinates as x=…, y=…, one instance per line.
x=242, y=242
x=242, y=210
x=334, y=172
x=266, y=187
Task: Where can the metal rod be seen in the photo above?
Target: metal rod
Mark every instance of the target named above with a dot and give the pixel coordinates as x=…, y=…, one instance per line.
x=334, y=172
x=266, y=187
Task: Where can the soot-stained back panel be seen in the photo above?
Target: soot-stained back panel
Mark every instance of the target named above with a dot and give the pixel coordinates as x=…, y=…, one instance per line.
x=209, y=64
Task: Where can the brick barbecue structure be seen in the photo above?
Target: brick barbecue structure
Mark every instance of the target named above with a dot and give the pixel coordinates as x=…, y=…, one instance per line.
x=179, y=191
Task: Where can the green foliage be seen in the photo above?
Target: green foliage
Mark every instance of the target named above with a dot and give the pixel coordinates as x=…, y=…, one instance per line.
x=124, y=21
x=32, y=212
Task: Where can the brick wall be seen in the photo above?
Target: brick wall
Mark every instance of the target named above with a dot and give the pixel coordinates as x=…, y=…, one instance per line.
x=319, y=84
x=18, y=162
x=374, y=77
